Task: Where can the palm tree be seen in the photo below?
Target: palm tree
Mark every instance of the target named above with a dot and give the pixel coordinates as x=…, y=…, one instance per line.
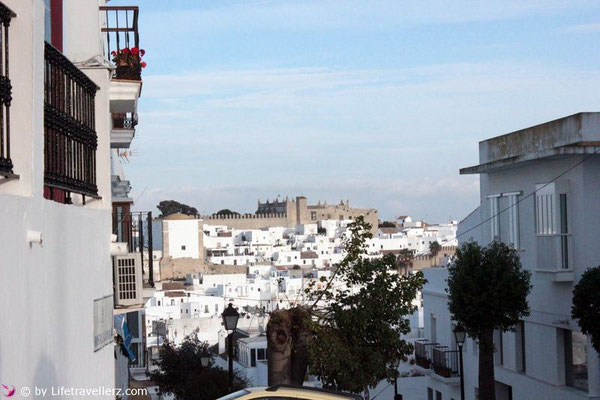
x=405, y=260
x=434, y=249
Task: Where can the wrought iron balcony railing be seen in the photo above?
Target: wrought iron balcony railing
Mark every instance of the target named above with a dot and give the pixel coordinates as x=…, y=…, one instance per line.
x=124, y=121
x=445, y=361
x=6, y=165
x=70, y=139
x=135, y=229
x=424, y=353
x=121, y=29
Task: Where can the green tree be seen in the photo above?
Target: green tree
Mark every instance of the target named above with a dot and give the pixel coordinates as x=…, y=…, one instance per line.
x=405, y=260
x=168, y=207
x=344, y=335
x=434, y=249
x=487, y=290
x=182, y=374
x=387, y=224
x=586, y=305
x=226, y=211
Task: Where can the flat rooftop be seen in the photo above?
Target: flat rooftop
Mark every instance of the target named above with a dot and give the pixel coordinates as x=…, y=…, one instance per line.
x=575, y=134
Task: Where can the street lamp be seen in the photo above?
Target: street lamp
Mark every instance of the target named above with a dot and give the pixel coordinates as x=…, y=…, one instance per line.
x=204, y=358
x=230, y=320
x=460, y=335
x=396, y=365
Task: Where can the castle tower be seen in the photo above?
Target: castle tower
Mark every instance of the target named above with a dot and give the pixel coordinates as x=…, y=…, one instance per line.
x=301, y=210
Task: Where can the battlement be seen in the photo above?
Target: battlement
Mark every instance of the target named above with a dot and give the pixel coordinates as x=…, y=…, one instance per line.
x=243, y=216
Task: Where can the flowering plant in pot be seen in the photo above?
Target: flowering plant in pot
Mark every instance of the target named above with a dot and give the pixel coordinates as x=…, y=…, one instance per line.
x=129, y=62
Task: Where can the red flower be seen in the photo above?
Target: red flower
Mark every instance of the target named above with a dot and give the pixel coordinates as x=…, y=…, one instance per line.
x=113, y=53
x=142, y=52
x=143, y=64
x=135, y=50
x=125, y=50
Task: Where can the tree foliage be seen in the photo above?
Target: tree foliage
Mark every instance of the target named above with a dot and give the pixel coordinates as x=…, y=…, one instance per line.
x=226, y=211
x=586, y=305
x=351, y=330
x=487, y=287
x=182, y=374
x=359, y=332
x=387, y=224
x=487, y=290
x=434, y=248
x=168, y=207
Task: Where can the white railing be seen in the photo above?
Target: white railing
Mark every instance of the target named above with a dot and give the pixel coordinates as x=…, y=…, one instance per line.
x=554, y=252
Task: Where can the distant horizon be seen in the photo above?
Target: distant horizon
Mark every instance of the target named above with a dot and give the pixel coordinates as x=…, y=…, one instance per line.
x=310, y=203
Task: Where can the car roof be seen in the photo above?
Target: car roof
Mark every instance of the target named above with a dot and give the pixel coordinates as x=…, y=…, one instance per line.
x=304, y=391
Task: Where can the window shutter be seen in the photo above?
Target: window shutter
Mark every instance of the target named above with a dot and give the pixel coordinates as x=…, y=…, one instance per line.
x=494, y=217
x=513, y=219
x=545, y=203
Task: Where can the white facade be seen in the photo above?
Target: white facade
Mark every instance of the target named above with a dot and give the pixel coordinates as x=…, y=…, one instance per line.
x=551, y=215
x=56, y=257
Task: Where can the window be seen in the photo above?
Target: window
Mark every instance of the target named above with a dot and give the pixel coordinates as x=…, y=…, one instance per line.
x=438, y=395
x=576, y=369
x=513, y=218
x=70, y=139
x=429, y=393
x=552, y=227
x=6, y=165
x=564, y=230
x=313, y=215
x=499, y=345
x=520, y=347
x=433, y=329
x=494, y=203
x=183, y=247
x=544, y=209
x=262, y=354
x=206, y=309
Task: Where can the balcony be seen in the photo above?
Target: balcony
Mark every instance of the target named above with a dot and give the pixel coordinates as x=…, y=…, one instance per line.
x=6, y=165
x=123, y=130
x=554, y=259
x=121, y=46
x=445, y=364
x=70, y=139
x=122, y=41
x=135, y=230
x=424, y=354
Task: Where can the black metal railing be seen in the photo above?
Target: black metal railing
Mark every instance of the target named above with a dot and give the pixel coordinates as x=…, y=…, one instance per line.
x=424, y=353
x=135, y=229
x=6, y=165
x=123, y=121
x=70, y=139
x=445, y=361
x=121, y=30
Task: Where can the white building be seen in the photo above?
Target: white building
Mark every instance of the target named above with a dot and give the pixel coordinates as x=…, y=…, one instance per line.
x=539, y=191
x=55, y=191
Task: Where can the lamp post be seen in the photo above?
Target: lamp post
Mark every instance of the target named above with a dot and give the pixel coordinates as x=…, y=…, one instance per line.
x=460, y=335
x=230, y=320
x=396, y=365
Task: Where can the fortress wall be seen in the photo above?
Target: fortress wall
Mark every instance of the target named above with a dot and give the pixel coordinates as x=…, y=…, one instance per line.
x=249, y=221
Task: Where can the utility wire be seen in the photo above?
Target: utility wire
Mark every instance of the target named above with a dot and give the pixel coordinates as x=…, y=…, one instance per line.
x=530, y=194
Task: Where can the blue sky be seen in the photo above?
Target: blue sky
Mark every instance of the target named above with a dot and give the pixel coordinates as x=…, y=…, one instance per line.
x=379, y=102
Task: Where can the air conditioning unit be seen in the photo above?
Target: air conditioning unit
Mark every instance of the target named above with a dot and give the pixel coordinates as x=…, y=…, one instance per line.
x=127, y=273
